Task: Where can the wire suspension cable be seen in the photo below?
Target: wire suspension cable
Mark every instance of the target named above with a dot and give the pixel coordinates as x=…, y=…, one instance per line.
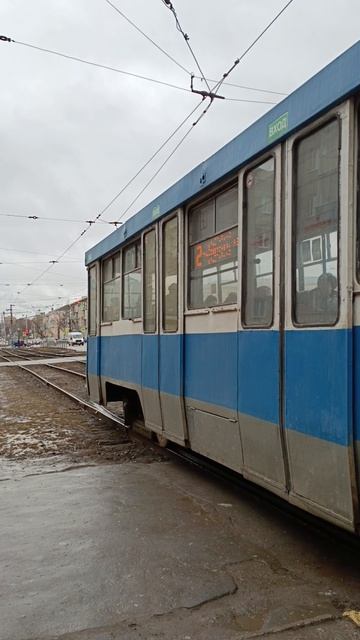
x=128, y=73
x=171, y=7
x=146, y=36
x=48, y=219
x=94, y=64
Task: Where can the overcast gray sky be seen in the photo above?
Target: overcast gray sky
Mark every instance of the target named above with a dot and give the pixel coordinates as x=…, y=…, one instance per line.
x=72, y=135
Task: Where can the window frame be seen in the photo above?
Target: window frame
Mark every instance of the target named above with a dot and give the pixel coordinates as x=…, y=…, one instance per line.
x=154, y=331
x=163, y=225
x=111, y=257
x=332, y=117
x=244, y=229
x=138, y=250
x=93, y=332
x=213, y=194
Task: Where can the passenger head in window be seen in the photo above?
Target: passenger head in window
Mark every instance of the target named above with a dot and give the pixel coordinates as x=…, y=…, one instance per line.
x=210, y=301
x=327, y=284
x=231, y=298
x=325, y=297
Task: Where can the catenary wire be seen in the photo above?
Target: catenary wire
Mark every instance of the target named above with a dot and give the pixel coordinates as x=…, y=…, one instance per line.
x=242, y=86
x=250, y=47
x=171, y=7
x=97, y=64
x=167, y=159
x=121, y=13
x=48, y=219
x=109, y=204
x=128, y=73
x=215, y=89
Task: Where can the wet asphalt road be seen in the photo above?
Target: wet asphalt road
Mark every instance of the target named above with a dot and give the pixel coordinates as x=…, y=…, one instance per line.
x=159, y=550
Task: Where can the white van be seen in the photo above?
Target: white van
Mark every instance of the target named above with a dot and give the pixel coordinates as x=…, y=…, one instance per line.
x=75, y=338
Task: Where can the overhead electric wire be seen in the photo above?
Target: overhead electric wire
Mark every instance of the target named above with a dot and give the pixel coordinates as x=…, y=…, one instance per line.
x=128, y=73
x=121, y=13
x=171, y=8
x=241, y=86
x=109, y=204
x=167, y=159
x=238, y=60
x=48, y=219
x=214, y=90
x=96, y=64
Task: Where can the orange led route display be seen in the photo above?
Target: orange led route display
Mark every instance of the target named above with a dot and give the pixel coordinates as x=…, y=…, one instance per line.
x=221, y=248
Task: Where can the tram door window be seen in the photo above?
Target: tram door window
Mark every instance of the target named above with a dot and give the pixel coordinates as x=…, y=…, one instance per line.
x=258, y=252
x=92, y=300
x=317, y=227
x=150, y=282
x=170, y=275
x=111, y=289
x=131, y=284
x=213, y=240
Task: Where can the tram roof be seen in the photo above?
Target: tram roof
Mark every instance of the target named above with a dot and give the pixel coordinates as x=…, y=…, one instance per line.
x=339, y=79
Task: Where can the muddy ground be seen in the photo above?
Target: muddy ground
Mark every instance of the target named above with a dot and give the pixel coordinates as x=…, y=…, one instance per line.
x=38, y=422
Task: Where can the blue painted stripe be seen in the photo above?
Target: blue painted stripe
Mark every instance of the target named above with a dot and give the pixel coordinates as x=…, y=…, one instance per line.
x=240, y=371
x=331, y=85
x=356, y=338
x=211, y=368
x=258, y=353
x=318, y=372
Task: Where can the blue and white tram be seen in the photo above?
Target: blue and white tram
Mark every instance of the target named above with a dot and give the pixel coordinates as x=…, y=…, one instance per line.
x=226, y=313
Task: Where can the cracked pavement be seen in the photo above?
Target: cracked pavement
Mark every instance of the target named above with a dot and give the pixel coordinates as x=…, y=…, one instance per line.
x=136, y=551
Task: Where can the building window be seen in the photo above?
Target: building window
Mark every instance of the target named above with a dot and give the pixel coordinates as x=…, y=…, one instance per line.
x=131, y=290
x=111, y=288
x=92, y=300
x=170, y=275
x=258, y=245
x=150, y=282
x=213, y=251
x=316, y=225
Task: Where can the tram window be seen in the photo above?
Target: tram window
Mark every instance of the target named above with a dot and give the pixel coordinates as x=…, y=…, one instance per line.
x=170, y=275
x=92, y=300
x=258, y=283
x=150, y=282
x=213, y=255
x=111, y=289
x=131, y=282
x=317, y=227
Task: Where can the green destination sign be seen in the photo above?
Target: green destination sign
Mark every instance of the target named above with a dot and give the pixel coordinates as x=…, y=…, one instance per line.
x=278, y=127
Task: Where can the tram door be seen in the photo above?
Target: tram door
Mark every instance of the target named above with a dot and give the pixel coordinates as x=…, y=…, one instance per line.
x=171, y=321
x=93, y=345
x=211, y=322
x=150, y=381
x=259, y=336
x=318, y=399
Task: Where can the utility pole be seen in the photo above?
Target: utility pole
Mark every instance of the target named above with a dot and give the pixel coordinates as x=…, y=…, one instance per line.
x=11, y=306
